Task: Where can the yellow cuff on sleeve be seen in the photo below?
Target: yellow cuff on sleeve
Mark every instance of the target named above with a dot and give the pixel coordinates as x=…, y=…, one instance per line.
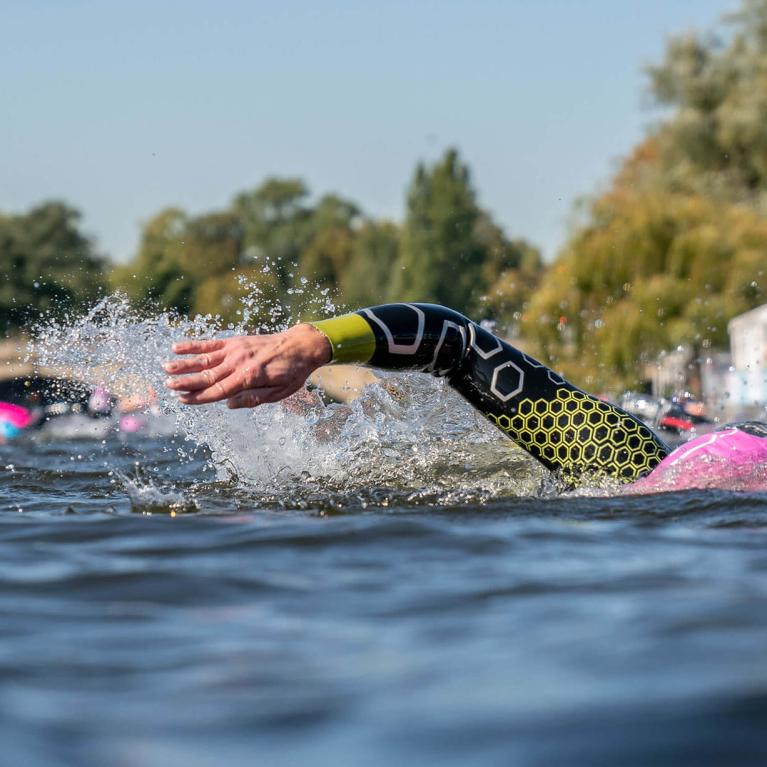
x=350, y=336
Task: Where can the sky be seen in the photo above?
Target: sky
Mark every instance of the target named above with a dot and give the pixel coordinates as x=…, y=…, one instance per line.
x=123, y=108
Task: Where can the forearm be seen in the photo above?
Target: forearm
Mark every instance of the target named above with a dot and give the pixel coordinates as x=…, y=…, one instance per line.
x=423, y=337
x=554, y=421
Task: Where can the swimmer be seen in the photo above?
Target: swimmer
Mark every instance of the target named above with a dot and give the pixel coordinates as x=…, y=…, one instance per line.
x=13, y=419
x=8, y=432
x=563, y=427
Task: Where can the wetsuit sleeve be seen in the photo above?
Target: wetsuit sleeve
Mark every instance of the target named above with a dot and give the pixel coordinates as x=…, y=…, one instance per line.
x=563, y=427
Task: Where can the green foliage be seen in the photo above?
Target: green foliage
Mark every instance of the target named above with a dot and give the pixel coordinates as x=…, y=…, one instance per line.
x=46, y=264
x=650, y=271
x=156, y=274
x=367, y=279
x=332, y=211
x=293, y=251
x=452, y=251
x=330, y=242
x=442, y=258
x=274, y=218
x=223, y=294
x=510, y=274
x=675, y=248
x=280, y=253
x=212, y=245
x=178, y=255
x=328, y=255
x=716, y=141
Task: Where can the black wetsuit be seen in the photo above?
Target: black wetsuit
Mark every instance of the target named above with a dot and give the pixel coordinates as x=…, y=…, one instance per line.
x=565, y=428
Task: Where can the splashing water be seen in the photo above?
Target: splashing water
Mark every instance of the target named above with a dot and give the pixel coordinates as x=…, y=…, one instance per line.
x=409, y=438
x=147, y=496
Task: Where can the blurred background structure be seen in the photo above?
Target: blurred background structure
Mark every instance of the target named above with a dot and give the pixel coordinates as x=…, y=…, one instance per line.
x=530, y=106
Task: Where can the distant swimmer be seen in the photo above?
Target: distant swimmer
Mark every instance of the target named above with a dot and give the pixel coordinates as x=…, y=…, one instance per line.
x=563, y=427
x=13, y=419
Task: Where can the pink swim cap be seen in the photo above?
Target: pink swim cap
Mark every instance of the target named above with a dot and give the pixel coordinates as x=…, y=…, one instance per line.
x=733, y=458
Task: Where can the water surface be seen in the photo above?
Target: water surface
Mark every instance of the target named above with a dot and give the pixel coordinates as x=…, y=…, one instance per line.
x=381, y=626
x=386, y=583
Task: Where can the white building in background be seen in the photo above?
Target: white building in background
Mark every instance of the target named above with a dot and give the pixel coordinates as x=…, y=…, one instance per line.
x=748, y=347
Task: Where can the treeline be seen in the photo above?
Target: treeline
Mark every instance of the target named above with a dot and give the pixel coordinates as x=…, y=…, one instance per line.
x=46, y=264
x=278, y=243
x=677, y=245
x=674, y=248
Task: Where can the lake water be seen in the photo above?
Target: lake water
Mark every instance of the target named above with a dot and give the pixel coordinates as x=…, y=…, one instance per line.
x=385, y=627
x=390, y=584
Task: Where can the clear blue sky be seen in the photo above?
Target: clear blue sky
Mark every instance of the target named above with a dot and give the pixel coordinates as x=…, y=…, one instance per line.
x=123, y=108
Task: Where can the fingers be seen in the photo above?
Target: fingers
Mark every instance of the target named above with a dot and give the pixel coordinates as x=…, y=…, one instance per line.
x=195, y=364
x=203, y=380
x=255, y=397
x=198, y=347
x=223, y=389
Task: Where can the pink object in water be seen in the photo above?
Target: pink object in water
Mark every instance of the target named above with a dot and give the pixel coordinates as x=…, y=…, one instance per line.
x=16, y=415
x=132, y=423
x=730, y=459
x=100, y=400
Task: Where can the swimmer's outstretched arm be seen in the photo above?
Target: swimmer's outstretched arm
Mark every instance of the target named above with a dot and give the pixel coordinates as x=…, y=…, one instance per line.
x=560, y=425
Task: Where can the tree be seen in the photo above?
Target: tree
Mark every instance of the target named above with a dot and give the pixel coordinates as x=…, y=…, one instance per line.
x=246, y=295
x=511, y=273
x=46, y=264
x=648, y=272
x=675, y=247
x=715, y=142
x=213, y=243
x=156, y=274
x=289, y=248
x=367, y=278
x=274, y=218
x=327, y=256
x=333, y=211
x=442, y=259
x=330, y=247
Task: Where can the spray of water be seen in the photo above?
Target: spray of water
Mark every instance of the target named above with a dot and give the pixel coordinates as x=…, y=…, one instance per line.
x=409, y=439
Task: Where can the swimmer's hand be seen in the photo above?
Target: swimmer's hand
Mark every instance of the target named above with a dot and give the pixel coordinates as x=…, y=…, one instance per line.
x=247, y=370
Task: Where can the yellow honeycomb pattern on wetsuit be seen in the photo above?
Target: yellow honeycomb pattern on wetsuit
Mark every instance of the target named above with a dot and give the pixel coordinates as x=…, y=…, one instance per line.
x=574, y=430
